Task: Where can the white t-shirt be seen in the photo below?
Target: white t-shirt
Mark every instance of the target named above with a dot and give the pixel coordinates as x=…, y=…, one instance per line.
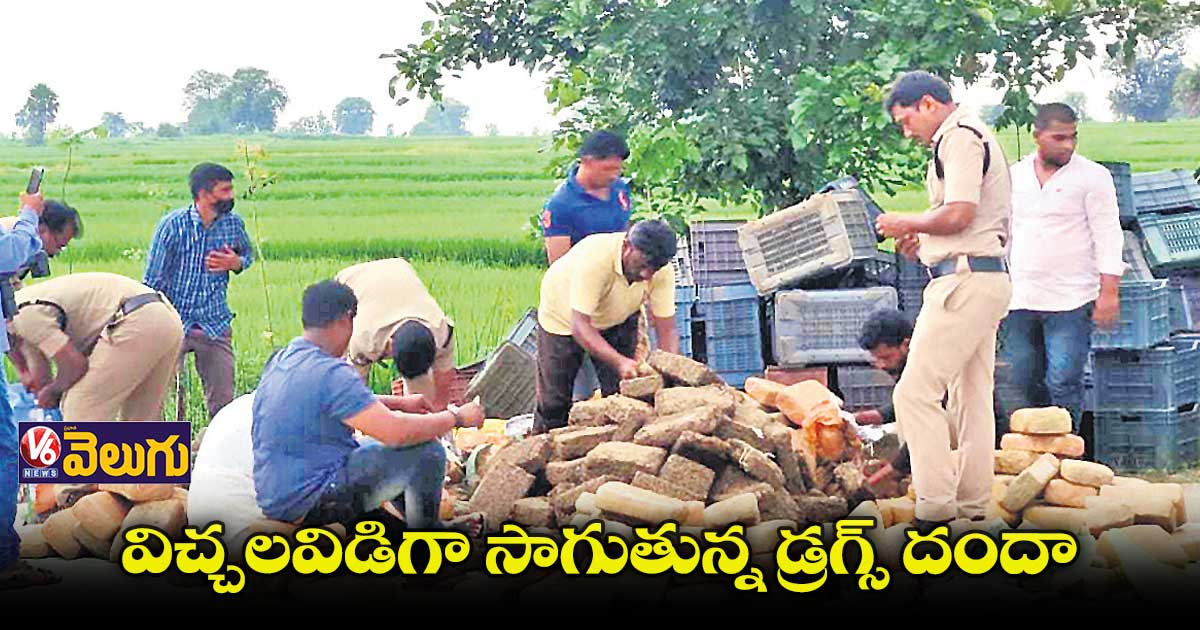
x=222, y=486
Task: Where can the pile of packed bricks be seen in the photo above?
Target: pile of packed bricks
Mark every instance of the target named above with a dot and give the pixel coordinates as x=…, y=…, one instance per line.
x=89, y=520
x=675, y=444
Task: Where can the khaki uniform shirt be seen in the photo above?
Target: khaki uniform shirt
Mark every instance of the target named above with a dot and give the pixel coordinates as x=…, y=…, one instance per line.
x=590, y=279
x=390, y=294
x=89, y=301
x=961, y=153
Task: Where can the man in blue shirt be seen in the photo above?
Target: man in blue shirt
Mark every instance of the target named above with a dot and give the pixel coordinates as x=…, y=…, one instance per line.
x=16, y=246
x=308, y=468
x=191, y=255
x=593, y=199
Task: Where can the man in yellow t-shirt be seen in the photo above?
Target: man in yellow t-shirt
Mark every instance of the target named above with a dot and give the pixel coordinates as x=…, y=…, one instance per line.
x=398, y=319
x=589, y=303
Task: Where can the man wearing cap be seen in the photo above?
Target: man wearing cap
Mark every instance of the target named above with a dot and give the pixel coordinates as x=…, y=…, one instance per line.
x=398, y=319
x=962, y=239
x=114, y=343
x=590, y=299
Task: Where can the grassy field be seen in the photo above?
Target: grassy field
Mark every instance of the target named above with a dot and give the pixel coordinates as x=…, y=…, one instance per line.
x=457, y=207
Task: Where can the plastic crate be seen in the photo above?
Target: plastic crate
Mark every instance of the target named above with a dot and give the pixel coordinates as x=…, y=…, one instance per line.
x=1141, y=440
x=1121, y=175
x=1133, y=256
x=1171, y=241
x=732, y=331
x=1165, y=191
x=1009, y=397
x=1163, y=377
x=507, y=385
x=912, y=278
x=809, y=327
x=807, y=240
x=1144, y=320
x=524, y=334
x=715, y=254
x=1089, y=394
x=685, y=300
x=683, y=265
x=1184, y=301
x=864, y=387
x=462, y=381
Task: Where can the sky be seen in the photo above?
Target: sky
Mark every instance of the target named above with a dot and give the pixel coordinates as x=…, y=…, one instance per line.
x=135, y=56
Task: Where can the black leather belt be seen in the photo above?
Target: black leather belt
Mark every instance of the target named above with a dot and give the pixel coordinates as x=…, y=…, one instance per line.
x=132, y=304
x=975, y=263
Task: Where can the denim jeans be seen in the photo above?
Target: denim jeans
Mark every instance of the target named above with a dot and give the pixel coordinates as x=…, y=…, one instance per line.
x=374, y=473
x=10, y=544
x=1048, y=352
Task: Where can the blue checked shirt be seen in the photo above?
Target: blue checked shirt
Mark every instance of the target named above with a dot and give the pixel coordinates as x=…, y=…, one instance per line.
x=16, y=246
x=176, y=266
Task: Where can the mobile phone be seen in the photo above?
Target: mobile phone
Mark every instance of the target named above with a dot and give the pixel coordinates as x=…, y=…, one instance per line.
x=35, y=180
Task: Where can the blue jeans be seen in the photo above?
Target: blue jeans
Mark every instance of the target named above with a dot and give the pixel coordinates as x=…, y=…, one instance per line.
x=374, y=473
x=1048, y=351
x=10, y=544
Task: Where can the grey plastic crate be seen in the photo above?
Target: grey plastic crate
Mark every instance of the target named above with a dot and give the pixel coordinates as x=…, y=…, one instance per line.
x=811, y=327
x=1171, y=241
x=1145, y=318
x=1122, y=180
x=1174, y=190
x=507, y=385
x=864, y=387
x=807, y=240
x=683, y=265
x=912, y=279
x=1133, y=255
x=715, y=254
x=524, y=334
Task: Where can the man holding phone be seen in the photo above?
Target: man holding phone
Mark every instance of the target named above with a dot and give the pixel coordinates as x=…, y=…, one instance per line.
x=192, y=252
x=16, y=246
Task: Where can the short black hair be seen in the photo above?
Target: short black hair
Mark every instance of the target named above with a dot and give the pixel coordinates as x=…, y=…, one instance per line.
x=655, y=239
x=604, y=144
x=413, y=348
x=58, y=215
x=886, y=326
x=911, y=86
x=206, y=175
x=1054, y=112
x=326, y=302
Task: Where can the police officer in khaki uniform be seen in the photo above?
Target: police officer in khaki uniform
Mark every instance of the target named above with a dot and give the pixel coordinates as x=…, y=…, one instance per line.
x=398, y=319
x=963, y=239
x=114, y=342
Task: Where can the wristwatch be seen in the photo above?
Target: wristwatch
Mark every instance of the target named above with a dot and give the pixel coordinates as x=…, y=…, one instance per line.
x=458, y=420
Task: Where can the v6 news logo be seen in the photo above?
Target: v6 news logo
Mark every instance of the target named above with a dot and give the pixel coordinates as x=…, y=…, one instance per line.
x=41, y=447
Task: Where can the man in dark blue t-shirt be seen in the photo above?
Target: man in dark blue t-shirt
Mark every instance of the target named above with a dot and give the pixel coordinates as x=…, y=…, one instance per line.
x=593, y=199
x=307, y=465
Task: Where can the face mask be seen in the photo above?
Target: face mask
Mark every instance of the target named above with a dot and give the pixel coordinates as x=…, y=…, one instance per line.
x=224, y=206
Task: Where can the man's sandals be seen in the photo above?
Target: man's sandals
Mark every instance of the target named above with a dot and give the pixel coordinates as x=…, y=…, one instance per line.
x=470, y=524
x=22, y=574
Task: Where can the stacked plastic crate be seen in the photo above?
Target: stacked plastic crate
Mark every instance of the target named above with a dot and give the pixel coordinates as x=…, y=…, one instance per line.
x=685, y=300
x=726, y=313
x=818, y=267
x=1144, y=382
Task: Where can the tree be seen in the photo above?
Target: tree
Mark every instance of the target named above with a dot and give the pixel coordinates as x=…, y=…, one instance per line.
x=115, y=123
x=354, y=116
x=318, y=125
x=167, y=130
x=492, y=129
x=1144, y=92
x=1078, y=102
x=254, y=100
x=762, y=102
x=446, y=118
x=248, y=101
x=1187, y=92
x=992, y=113
x=41, y=108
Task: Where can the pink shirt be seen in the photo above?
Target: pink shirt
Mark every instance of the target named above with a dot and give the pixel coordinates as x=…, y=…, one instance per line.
x=1064, y=235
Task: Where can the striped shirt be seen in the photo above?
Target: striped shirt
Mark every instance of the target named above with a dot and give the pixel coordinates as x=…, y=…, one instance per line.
x=176, y=266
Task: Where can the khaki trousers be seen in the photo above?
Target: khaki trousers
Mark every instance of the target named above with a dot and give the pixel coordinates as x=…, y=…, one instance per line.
x=953, y=354
x=130, y=368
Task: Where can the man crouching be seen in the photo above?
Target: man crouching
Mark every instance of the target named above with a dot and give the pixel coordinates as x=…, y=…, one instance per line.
x=308, y=468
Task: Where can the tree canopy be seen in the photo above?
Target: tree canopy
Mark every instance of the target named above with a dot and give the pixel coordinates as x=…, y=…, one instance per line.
x=40, y=110
x=354, y=116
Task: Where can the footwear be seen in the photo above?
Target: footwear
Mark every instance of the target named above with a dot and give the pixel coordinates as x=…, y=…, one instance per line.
x=22, y=574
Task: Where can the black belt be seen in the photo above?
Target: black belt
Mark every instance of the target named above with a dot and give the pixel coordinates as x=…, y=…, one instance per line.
x=132, y=304
x=974, y=263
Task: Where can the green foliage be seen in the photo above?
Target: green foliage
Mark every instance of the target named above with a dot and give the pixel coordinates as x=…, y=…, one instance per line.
x=991, y=113
x=777, y=96
x=41, y=108
x=167, y=130
x=1145, y=89
x=1187, y=92
x=247, y=102
x=444, y=118
x=115, y=124
x=1078, y=102
x=318, y=125
x=354, y=116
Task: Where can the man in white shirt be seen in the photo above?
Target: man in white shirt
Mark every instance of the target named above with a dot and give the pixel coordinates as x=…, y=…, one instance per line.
x=1065, y=263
